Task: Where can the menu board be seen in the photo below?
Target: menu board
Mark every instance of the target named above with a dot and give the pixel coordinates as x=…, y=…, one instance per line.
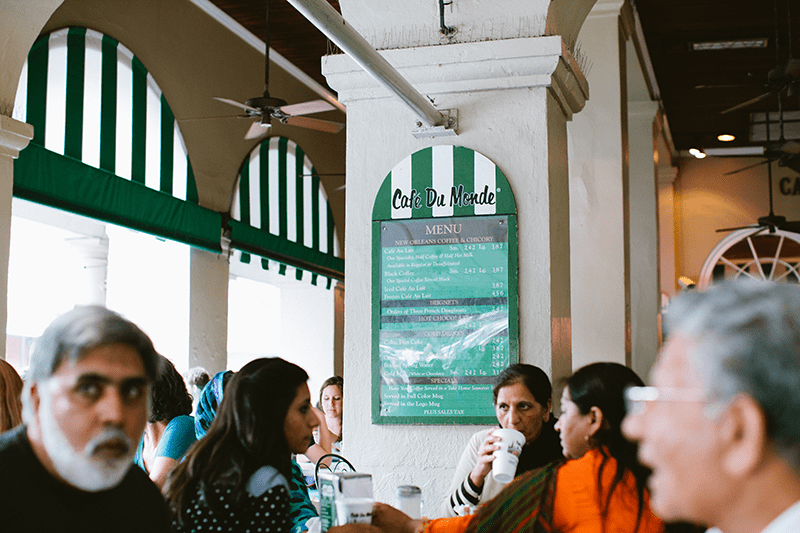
x=446, y=286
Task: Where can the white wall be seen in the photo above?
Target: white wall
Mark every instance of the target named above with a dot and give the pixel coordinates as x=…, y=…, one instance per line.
x=707, y=200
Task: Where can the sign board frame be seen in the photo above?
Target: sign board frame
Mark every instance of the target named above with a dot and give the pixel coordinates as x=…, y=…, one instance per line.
x=458, y=213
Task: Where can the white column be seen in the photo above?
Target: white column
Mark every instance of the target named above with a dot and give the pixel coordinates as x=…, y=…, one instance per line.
x=598, y=197
x=513, y=99
x=643, y=216
x=666, y=228
x=208, y=310
x=93, y=253
x=14, y=136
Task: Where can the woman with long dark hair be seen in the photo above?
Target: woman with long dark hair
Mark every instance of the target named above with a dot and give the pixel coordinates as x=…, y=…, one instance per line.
x=601, y=488
x=170, y=429
x=235, y=478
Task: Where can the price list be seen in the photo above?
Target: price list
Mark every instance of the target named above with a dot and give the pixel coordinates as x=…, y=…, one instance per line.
x=444, y=315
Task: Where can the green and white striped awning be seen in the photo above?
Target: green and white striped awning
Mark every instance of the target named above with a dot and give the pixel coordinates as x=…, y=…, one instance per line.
x=280, y=212
x=92, y=102
x=443, y=181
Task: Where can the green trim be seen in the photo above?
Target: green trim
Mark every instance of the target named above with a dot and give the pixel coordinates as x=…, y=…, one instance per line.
x=59, y=181
x=376, y=318
x=513, y=290
x=108, y=105
x=139, y=119
x=299, y=158
x=331, y=229
x=244, y=192
x=463, y=174
x=263, y=188
x=314, y=208
x=259, y=242
x=36, y=107
x=283, y=208
x=76, y=75
x=421, y=177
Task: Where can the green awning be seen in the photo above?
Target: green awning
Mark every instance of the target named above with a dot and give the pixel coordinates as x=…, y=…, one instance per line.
x=63, y=182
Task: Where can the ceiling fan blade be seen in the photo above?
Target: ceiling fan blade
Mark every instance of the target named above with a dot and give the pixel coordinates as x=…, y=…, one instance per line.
x=753, y=226
x=725, y=86
x=734, y=151
x=791, y=225
x=749, y=102
x=316, y=124
x=257, y=129
x=189, y=119
x=792, y=162
x=307, y=108
x=239, y=105
x=745, y=168
x=791, y=147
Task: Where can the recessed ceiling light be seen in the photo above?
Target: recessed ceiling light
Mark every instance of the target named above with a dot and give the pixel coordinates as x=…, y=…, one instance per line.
x=730, y=45
x=699, y=154
x=725, y=137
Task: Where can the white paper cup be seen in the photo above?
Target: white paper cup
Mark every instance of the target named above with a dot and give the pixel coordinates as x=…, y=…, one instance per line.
x=504, y=465
x=354, y=510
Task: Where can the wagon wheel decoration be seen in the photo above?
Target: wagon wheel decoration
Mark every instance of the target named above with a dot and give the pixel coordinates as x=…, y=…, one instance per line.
x=754, y=254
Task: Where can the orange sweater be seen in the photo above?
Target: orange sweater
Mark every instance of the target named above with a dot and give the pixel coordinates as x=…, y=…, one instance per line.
x=576, y=508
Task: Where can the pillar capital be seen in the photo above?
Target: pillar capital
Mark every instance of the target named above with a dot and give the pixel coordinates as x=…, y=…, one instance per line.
x=604, y=8
x=642, y=109
x=389, y=24
x=14, y=136
x=470, y=67
x=667, y=174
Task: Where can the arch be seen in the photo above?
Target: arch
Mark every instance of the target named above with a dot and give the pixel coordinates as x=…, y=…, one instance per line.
x=99, y=116
x=280, y=212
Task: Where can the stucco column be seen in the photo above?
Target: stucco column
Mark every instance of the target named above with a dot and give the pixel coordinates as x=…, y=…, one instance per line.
x=598, y=197
x=643, y=216
x=666, y=228
x=14, y=136
x=513, y=99
x=208, y=310
x=93, y=253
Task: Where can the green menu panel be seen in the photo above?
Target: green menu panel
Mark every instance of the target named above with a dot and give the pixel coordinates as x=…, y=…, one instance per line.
x=446, y=288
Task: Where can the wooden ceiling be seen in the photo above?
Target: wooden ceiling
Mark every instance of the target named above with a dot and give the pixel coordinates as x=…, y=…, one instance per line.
x=290, y=34
x=695, y=85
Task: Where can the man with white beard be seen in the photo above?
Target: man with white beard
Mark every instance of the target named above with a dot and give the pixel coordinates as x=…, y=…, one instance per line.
x=85, y=405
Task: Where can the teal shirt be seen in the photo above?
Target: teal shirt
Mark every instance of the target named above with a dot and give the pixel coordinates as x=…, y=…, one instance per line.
x=175, y=441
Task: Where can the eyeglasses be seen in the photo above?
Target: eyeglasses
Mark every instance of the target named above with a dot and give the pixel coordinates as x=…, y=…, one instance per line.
x=636, y=398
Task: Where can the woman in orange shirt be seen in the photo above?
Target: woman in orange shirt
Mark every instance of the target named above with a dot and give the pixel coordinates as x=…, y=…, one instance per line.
x=600, y=489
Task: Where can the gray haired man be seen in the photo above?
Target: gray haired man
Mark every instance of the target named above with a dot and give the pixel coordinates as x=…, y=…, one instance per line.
x=85, y=407
x=721, y=425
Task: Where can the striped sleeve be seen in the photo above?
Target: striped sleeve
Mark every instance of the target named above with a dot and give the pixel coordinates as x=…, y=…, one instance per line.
x=466, y=494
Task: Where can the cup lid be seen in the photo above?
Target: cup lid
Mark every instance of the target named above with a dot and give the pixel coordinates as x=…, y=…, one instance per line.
x=407, y=490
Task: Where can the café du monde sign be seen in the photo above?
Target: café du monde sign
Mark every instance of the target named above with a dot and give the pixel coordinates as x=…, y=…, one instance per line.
x=444, y=288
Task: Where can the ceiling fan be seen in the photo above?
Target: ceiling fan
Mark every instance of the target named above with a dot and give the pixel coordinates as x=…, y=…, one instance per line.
x=783, y=76
x=264, y=108
x=786, y=154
